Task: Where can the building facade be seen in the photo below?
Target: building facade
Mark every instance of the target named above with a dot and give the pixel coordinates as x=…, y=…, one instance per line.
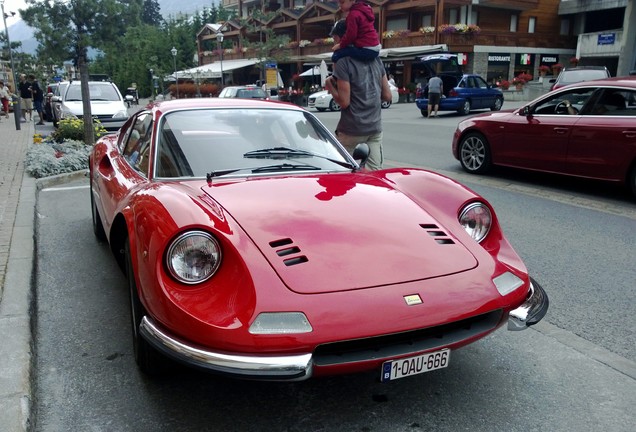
x=497, y=39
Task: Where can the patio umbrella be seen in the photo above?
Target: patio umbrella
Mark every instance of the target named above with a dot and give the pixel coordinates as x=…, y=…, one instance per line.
x=311, y=72
x=323, y=73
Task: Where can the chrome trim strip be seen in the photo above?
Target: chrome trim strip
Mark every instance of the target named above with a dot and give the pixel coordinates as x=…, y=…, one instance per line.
x=288, y=368
x=531, y=311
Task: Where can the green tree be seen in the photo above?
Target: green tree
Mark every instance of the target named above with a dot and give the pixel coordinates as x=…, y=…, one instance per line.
x=67, y=29
x=151, y=13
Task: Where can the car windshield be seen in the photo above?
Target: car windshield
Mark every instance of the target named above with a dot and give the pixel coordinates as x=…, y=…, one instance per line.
x=574, y=76
x=213, y=142
x=98, y=91
x=254, y=93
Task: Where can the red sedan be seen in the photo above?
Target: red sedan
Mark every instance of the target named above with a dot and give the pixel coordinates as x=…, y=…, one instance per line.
x=584, y=130
x=256, y=246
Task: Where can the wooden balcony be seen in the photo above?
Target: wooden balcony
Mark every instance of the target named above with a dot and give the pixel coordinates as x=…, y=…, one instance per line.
x=464, y=42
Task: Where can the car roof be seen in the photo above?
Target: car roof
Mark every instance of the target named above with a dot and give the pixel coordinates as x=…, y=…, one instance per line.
x=575, y=68
x=180, y=104
x=624, y=81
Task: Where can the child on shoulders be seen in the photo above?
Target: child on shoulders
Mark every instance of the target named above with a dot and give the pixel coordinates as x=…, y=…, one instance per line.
x=360, y=39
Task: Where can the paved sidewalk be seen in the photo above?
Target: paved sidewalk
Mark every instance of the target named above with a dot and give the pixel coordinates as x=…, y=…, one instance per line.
x=17, y=203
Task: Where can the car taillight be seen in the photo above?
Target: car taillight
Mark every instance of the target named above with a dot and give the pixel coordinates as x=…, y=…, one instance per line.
x=452, y=93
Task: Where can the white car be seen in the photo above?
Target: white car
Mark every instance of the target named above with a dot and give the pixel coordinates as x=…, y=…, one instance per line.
x=323, y=101
x=107, y=103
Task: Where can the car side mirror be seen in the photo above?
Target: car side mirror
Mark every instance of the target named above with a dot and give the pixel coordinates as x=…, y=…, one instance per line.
x=129, y=98
x=56, y=99
x=361, y=153
x=525, y=111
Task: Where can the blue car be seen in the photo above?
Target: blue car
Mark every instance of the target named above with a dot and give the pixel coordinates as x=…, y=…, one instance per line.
x=462, y=92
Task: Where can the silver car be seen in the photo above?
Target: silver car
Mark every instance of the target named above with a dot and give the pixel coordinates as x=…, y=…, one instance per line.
x=107, y=103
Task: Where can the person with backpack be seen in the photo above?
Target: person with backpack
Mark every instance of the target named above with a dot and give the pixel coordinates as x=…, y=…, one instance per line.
x=37, y=95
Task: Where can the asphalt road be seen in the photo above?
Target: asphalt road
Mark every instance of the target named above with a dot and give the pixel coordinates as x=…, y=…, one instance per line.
x=576, y=370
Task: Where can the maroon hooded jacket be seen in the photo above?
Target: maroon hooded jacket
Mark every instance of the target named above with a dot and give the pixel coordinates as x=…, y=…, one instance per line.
x=360, y=30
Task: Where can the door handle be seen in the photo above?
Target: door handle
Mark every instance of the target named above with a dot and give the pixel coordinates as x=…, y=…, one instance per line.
x=561, y=130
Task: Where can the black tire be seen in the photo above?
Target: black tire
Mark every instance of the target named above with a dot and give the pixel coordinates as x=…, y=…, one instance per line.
x=498, y=104
x=424, y=113
x=631, y=179
x=385, y=104
x=98, y=228
x=474, y=153
x=333, y=106
x=465, y=108
x=321, y=109
x=148, y=359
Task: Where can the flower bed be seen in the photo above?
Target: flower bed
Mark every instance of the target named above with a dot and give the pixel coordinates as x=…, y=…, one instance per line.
x=48, y=157
x=64, y=151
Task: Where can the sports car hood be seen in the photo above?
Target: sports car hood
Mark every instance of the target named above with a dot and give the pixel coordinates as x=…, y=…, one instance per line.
x=341, y=232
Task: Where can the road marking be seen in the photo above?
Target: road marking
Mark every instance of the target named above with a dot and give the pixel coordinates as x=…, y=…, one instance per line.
x=56, y=189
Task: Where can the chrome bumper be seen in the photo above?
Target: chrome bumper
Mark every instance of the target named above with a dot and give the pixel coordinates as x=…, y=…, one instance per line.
x=283, y=368
x=531, y=311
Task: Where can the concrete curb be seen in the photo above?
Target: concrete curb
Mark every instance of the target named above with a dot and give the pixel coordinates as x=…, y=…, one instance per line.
x=16, y=350
x=18, y=318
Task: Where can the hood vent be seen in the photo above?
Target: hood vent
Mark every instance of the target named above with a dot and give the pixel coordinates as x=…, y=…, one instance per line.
x=286, y=248
x=440, y=236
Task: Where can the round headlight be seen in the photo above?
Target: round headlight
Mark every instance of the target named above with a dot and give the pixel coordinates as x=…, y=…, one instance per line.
x=476, y=220
x=193, y=257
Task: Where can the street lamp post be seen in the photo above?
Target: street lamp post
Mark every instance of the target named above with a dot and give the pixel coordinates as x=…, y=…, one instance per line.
x=174, y=59
x=219, y=39
x=17, y=110
x=197, y=77
x=152, y=83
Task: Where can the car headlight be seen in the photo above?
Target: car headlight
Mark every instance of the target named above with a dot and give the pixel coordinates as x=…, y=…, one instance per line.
x=476, y=220
x=193, y=257
x=120, y=115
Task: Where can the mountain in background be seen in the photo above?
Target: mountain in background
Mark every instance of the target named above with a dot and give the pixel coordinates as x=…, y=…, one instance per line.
x=20, y=31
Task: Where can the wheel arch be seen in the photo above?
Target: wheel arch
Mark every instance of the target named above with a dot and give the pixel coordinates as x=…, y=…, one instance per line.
x=119, y=234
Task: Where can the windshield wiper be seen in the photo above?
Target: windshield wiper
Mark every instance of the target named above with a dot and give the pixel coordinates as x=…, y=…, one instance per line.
x=285, y=152
x=276, y=152
x=209, y=176
x=285, y=167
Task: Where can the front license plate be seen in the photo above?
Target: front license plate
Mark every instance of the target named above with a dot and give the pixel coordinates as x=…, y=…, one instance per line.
x=394, y=369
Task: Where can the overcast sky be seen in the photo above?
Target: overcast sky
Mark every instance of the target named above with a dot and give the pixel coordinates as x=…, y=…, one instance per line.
x=12, y=6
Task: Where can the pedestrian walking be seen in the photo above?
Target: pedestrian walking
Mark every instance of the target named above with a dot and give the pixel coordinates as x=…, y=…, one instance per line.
x=26, y=98
x=359, y=87
x=37, y=95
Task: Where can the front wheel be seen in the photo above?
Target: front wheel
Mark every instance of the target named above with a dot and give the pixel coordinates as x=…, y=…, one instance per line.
x=498, y=104
x=149, y=360
x=385, y=104
x=474, y=153
x=333, y=106
x=465, y=108
x=424, y=113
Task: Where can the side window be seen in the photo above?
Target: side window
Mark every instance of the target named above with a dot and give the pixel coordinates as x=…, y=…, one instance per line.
x=615, y=102
x=137, y=147
x=479, y=82
x=557, y=104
